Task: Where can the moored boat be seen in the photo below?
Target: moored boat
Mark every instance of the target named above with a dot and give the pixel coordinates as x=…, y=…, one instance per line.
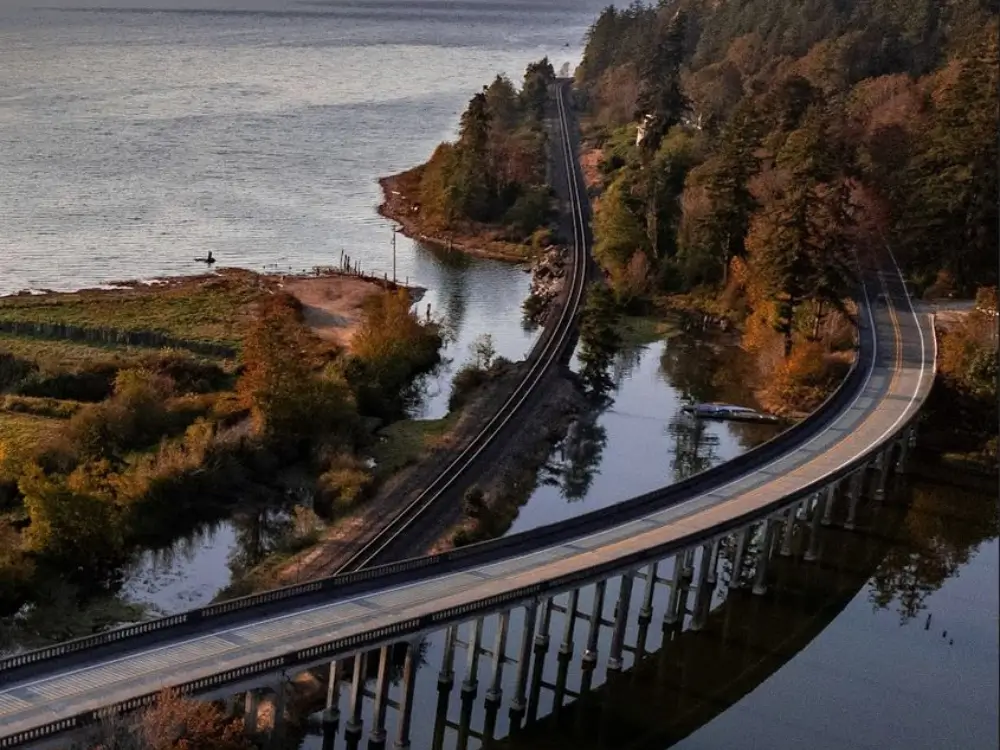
x=728, y=412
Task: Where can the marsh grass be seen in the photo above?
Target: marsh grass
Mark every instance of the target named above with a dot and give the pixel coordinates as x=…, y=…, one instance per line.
x=204, y=309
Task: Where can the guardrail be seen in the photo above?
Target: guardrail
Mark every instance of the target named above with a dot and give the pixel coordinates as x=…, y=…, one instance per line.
x=492, y=550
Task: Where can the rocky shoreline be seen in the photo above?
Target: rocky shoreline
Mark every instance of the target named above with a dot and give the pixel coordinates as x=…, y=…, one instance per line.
x=398, y=206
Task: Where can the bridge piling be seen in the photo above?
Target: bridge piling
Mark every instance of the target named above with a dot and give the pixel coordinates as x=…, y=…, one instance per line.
x=713, y=566
x=596, y=615
x=495, y=692
x=519, y=702
x=831, y=500
x=818, y=512
x=621, y=620
x=688, y=567
x=857, y=484
x=376, y=740
x=789, y=530
x=703, y=590
x=566, y=647
x=406, y=705
x=884, y=465
x=250, y=708
x=354, y=722
x=471, y=682
x=446, y=680
x=740, y=553
x=671, y=615
x=331, y=713
x=277, y=733
x=760, y=577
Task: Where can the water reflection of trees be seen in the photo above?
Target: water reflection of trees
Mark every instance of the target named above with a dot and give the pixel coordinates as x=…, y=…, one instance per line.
x=943, y=529
x=580, y=456
x=258, y=533
x=694, y=449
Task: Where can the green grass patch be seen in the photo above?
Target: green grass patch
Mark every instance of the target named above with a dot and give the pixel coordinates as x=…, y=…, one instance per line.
x=212, y=309
x=646, y=330
x=73, y=355
x=20, y=434
x=403, y=443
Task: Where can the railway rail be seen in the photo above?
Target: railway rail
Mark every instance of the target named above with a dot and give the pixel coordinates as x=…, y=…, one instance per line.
x=554, y=344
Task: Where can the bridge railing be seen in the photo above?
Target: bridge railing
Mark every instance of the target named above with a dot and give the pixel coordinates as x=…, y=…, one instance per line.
x=415, y=569
x=491, y=550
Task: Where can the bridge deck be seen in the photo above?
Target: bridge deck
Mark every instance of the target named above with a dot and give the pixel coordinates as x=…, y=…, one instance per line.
x=897, y=381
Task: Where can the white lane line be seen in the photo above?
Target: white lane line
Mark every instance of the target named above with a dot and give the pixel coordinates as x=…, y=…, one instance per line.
x=868, y=377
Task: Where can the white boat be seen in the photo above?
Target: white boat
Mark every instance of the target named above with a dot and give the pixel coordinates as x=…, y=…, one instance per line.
x=728, y=411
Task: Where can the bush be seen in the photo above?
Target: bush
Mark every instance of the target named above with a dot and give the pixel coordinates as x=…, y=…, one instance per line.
x=530, y=211
x=343, y=485
x=474, y=502
x=464, y=384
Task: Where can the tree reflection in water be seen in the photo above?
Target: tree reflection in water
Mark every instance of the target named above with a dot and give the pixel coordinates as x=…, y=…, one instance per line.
x=943, y=528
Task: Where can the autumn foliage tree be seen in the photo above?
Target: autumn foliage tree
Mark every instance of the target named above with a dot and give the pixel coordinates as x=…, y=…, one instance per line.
x=291, y=396
x=174, y=722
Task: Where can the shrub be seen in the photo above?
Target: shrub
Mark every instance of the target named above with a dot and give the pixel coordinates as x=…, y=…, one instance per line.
x=343, y=485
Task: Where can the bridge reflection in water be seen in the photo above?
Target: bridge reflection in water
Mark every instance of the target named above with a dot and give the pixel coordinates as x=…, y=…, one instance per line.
x=658, y=662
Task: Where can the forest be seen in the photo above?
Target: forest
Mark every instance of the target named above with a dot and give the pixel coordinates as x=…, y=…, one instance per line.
x=494, y=173
x=752, y=155
x=140, y=445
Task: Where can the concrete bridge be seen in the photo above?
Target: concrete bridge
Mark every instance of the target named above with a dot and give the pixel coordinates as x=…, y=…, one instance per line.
x=737, y=514
x=650, y=548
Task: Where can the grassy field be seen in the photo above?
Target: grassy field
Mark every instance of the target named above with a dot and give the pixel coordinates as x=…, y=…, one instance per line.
x=403, y=443
x=20, y=432
x=209, y=309
x=72, y=355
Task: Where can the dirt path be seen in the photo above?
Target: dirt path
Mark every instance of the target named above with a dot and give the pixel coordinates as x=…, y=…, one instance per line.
x=332, y=305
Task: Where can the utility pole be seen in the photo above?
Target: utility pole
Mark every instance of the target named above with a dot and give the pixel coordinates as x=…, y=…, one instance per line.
x=394, y=230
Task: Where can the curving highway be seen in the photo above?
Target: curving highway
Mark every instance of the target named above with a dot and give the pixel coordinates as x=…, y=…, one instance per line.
x=224, y=646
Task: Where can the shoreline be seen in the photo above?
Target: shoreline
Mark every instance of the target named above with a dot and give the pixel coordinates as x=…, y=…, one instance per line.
x=398, y=207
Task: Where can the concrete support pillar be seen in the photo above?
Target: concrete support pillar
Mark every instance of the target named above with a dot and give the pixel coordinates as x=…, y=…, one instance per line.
x=541, y=648
x=278, y=727
x=904, y=452
x=376, y=740
x=621, y=621
x=760, y=579
x=519, y=703
x=471, y=682
x=646, y=611
x=447, y=674
x=818, y=512
x=495, y=692
x=542, y=637
x=703, y=591
x=713, y=562
x=446, y=681
x=742, y=537
x=884, y=466
x=573, y=601
x=562, y=674
x=857, y=481
x=406, y=703
x=789, y=530
x=831, y=500
x=671, y=616
x=354, y=721
x=465, y=720
x=594, y=631
x=688, y=567
x=490, y=725
x=250, y=708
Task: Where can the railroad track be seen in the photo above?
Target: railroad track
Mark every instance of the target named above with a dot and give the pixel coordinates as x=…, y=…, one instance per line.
x=549, y=350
